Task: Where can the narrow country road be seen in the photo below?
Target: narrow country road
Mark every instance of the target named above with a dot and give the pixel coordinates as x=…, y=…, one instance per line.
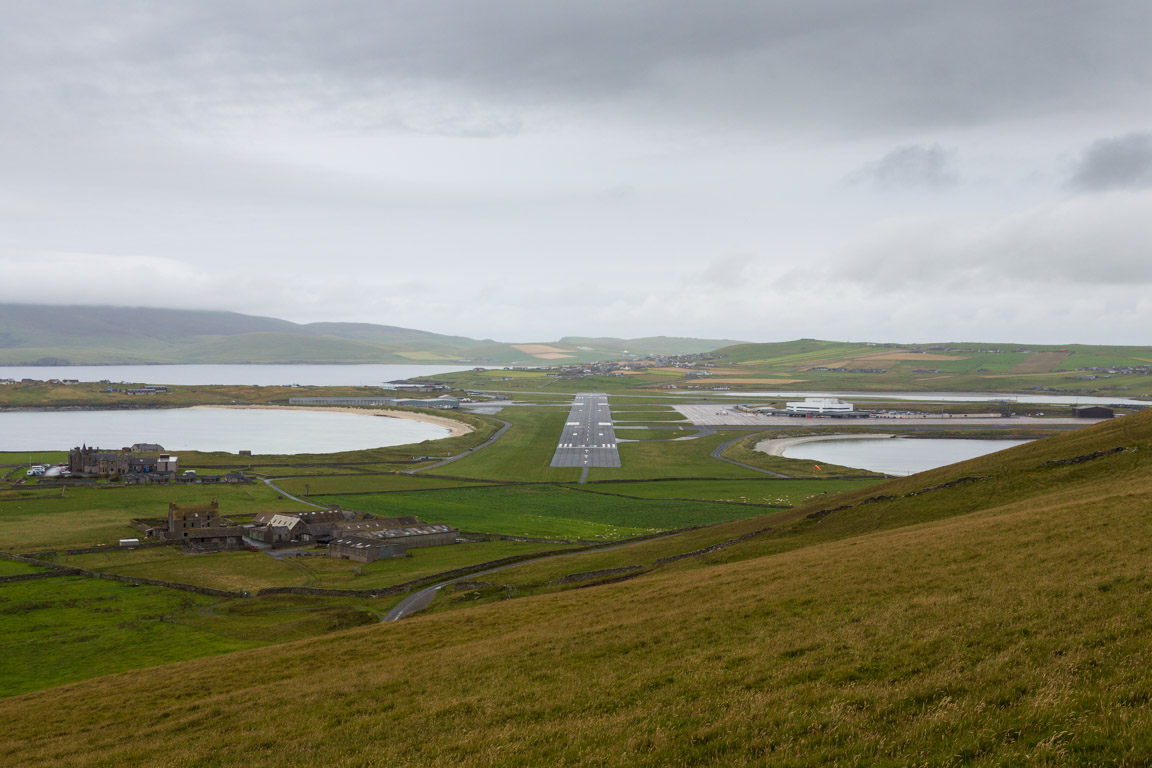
x=285, y=493
x=720, y=449
x=420, y=600
x=499, y=433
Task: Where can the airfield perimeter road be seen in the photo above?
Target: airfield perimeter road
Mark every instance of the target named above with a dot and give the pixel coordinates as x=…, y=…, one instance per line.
x=588, y=439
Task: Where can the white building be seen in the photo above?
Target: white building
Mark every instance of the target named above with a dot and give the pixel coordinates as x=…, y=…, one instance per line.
x=819, y=405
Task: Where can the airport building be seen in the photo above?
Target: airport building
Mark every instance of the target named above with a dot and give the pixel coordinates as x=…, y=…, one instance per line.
x=819, y=405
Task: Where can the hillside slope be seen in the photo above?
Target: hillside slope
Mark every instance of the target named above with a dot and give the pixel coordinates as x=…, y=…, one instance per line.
x=994, y=612
x=61, y=335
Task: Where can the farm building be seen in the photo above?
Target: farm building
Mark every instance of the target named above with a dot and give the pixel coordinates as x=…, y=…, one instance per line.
x=364, y=549
x=281, y=529
x=199, y=526
x=319, y=521
x=409, y=530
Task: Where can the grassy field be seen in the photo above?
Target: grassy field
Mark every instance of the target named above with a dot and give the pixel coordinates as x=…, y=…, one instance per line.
x=767, y=490
x=89, y=516
x=420, y=562
x=252, y=571
x=14, y=568
x=961, y=626
x=523, y=453
x=544, y=511
x=67, y=629
x=646, y=460
x=368, y=483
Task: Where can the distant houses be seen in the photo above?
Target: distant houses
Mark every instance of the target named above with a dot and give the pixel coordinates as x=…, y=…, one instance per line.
x=132, y=468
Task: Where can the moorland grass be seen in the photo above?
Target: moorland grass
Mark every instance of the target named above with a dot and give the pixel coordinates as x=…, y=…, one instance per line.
x=66, y=629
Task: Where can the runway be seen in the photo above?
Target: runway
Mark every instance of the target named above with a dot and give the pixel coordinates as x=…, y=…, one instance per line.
x=588, y=439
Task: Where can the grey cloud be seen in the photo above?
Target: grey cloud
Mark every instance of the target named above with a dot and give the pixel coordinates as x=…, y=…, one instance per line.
x=843, y=63
x=914, y=166
x=1123, y=162
x=1083, y=241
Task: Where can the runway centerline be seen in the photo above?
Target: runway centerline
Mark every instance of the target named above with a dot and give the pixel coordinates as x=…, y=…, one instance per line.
x=588, y=439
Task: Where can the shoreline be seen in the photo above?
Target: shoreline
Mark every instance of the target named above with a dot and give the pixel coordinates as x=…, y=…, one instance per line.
x=455, y=428
x=777, y=446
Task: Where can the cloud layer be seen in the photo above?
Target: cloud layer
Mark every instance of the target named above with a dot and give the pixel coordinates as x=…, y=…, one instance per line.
x=516, y=169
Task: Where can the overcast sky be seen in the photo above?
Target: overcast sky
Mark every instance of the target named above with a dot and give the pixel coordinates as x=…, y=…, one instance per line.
x=890, y=170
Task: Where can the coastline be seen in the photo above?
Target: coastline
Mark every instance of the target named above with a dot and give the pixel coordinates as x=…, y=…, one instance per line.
x=455, y=428
x=779, y=445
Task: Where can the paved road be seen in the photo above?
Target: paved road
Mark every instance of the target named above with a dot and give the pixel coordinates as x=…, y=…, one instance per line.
x=419, y=600
x=285, y=493
x=588, y=439
x=499, y=433
x=717, y=454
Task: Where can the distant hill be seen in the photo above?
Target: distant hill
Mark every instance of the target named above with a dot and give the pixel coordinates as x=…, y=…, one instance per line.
x=62, y=335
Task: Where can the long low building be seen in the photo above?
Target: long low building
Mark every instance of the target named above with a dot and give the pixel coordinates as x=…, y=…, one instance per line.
x=412, y=534
x=364, y=549
x=821, y=405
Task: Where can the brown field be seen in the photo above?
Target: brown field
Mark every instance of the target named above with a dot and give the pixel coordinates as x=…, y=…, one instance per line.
x=542, y=351
x=907, y=356
x=715, y=380
x=1040, y=362
x=828, y=364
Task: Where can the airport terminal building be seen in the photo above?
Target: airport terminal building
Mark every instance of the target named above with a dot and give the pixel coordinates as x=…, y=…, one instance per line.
x=819, y=405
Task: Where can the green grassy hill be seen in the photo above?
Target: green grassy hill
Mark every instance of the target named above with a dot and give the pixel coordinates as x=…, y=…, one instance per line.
x=989, y=613
x=92, y=335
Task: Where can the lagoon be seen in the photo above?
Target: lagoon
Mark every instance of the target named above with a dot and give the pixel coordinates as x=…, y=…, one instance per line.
x=895, y=455
x=262, y=431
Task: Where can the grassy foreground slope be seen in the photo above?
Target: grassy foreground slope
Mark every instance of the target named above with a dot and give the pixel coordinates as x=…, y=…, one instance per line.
x=988, y=622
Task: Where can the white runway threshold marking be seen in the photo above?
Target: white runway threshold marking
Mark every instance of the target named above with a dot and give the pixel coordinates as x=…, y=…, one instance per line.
x=588, y=438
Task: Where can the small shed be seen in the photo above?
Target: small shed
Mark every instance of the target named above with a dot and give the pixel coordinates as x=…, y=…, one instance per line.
x=1093, y=412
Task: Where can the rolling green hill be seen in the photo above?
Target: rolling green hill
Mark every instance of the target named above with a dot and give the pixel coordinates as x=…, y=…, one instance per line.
x=993, y=612
x=33, y=334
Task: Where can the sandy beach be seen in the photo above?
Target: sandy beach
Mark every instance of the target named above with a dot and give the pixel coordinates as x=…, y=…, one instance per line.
x=455, y=428
x=778, y=446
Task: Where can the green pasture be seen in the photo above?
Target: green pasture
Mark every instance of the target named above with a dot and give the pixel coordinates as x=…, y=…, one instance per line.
x=523, y=453
x=544, y=511
x=418, y=563
x=652, y=459
x=252, y=571
x=65, y=629
x=369, y=483
x=89, y=516
x=771, y=491
x=16, y=568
